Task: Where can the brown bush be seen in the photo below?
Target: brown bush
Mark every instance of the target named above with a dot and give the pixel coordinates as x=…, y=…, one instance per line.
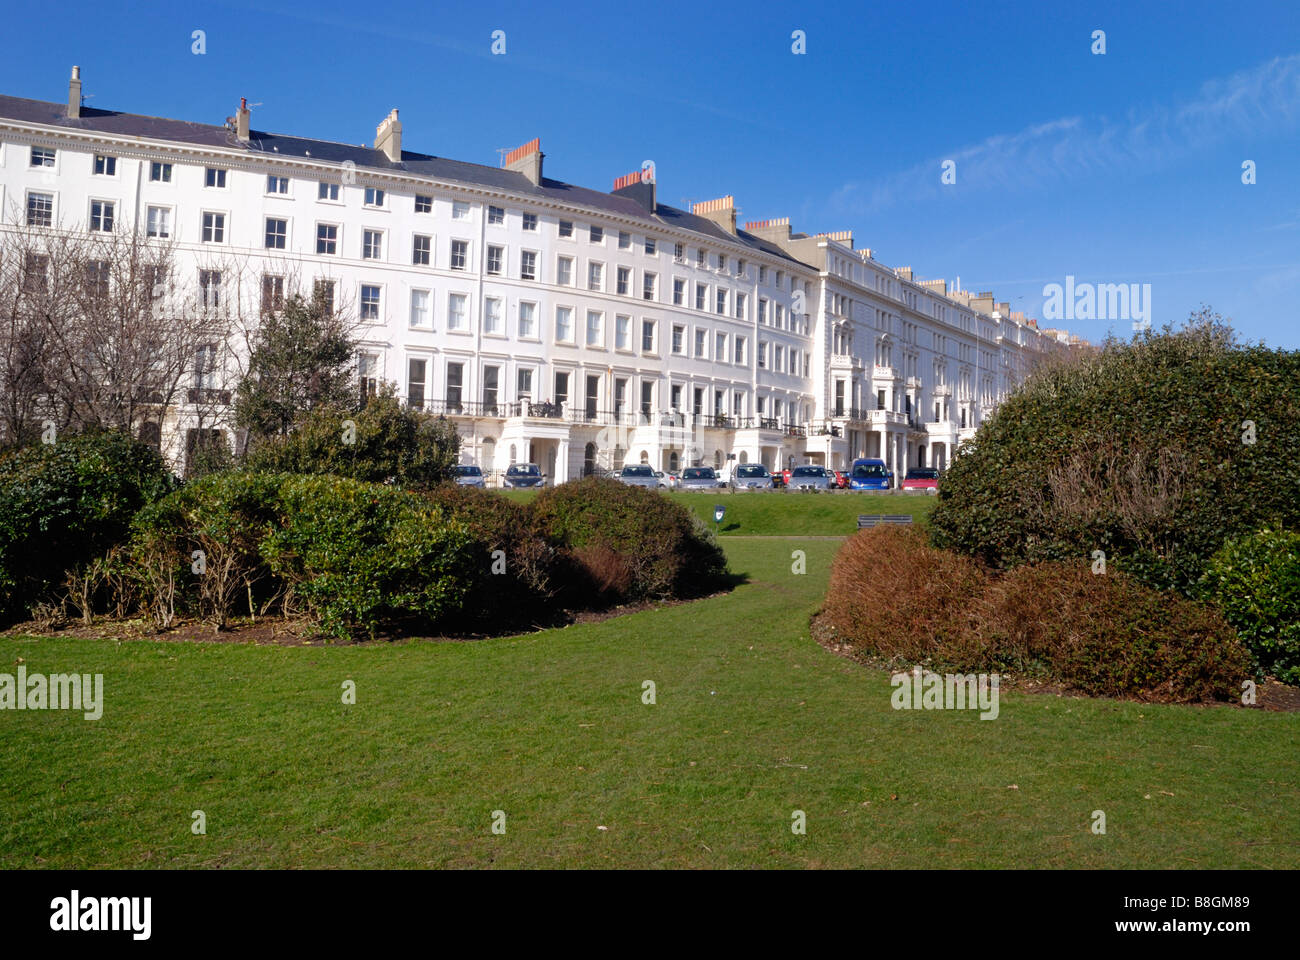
x=894, y=597
x=607, y=573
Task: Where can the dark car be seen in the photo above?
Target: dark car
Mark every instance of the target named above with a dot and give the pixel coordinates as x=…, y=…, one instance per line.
x=523, y=476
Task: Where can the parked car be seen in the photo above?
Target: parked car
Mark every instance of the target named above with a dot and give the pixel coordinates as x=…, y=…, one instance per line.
x=922, y=478
x=468, y=475
x=639, y=475
x=699, y=478
x=811, y=477
x=750, y=476
x=667, y=481
x=523, y=476
x=869, y=474
x=841, y=479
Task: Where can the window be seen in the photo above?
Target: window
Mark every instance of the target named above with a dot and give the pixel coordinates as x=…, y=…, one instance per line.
x=101, y=215
x=720, y=347
x=272, y=292
x=372, y=245
x=420, y=309
x=528, y=265
x=491, y=382
x=722, y=261
x=740, y=268
x=597, y=235
x=595, y=276
x=456, y=319
x=455, y=380
x=205, y=367
x=778, y=358
x=647, y=336
x=700, y=256
x=701, y=343
x=679, y=252
x=650, y=246
x=496, y=216
x=561, y=387
x=524, y=383
x=459, y=210
x=496, y=260
x=762, y=311
x=721, y=301
x=416, y=371
x=459, y=254
x=779, y=319
x=213, y=177
x=527, y=320
x=374, y=197
x=213, y=228
x=595, y=321
x=566, y=228
x=327, y=191
x=740, y=306
x=530, y=221
x=277, y=233
x=40, y=209
x=42, y=157
x=327, y=238
x=421, y=250
x=423, y=204
x=564, y=324
x=739, y=356
x=105, y=166
x=367, y=375
x=369, y=302
x=210, y=287
x=679, y=337
x=647, y=398
x=279, y=185
x=160, y=173
x=97, y=279
x=701, y=292
x=493, y=321
x=322, y=292
x=158, y=222
x=564, y=271
x=762, y=274
x=624, y=240
x=780, y=278
x=679, y=291
x=624, y=278
x=648, y=284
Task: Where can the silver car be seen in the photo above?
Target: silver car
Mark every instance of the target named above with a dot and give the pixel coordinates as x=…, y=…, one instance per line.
x=639, y=475
x=699, y=478
x=751, y=476
x=468, y=475
x=811, y=477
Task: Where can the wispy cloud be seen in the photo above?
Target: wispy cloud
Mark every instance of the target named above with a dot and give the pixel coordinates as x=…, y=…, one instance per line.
x=1266, y=97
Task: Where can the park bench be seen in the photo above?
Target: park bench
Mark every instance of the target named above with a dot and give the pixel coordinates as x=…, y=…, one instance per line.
x=871, y=520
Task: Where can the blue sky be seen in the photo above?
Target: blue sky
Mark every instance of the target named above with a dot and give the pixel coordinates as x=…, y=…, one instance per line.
x=1122, y=168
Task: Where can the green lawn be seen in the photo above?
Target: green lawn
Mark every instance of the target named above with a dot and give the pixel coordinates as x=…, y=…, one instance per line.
x=753, y=721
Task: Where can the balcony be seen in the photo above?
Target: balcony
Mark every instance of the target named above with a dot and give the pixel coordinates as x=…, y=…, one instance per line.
x=885, y=373
x=207, y=395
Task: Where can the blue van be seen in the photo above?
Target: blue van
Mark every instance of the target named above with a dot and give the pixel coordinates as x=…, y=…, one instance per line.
x=868, y=474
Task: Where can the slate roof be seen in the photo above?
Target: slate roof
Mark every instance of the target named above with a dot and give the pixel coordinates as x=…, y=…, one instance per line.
x=112, y=122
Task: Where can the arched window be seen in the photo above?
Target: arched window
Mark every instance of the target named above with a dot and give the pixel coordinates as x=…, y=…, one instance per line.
x=717, y=459
x=588, y=459
x=672, y=461
x=744, y=457
x=513, y=452
x=645, y=457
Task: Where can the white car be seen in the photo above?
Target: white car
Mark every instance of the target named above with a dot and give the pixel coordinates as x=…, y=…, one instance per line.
x=639, y=475
x=699, y=478
x=750, y=476
x=666, y=480
x=811, y=477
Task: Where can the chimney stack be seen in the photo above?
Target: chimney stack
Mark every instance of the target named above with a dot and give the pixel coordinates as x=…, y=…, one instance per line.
x=721, y=211
x=241, y=120
x=636, y=187
x=74, y=94
x=388, y=137
x=840, y=236
x=776, y=229
x=527, y=160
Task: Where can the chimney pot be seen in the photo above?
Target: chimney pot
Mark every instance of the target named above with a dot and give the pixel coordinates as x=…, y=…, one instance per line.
x=242, y=118
x=74, y=94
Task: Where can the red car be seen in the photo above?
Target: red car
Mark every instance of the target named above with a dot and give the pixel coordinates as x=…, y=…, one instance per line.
x=920, y=478
x=841, y=480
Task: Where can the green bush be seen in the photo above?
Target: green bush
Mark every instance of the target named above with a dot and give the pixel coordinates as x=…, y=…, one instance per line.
x=1255, y=581
x=630, y=543
x=357, y=557
x=383, y=443
x=65, y=505
x=1141, y=450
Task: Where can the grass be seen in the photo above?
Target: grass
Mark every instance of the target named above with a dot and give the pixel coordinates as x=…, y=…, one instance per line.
x=778, y=513
x=753, y=721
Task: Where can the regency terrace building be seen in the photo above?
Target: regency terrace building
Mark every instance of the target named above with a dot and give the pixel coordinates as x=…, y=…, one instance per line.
x=554, y=324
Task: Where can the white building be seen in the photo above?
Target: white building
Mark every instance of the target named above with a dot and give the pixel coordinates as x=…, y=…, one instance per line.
x=553, y=323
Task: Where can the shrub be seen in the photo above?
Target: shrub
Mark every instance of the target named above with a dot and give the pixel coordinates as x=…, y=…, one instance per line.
x=357, y=557
x=895, y=598
x=64, y=505
x=1137, y=449
x=383, y=443
x=666, y=549
x=1255, y=581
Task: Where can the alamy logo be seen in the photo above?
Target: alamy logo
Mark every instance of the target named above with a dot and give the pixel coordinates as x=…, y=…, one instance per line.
x=102, y=913
x=954, y=691
x=58, y=691
x=1098, y=301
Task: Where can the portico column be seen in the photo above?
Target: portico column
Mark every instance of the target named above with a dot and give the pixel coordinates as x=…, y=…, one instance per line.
x=561, y=462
